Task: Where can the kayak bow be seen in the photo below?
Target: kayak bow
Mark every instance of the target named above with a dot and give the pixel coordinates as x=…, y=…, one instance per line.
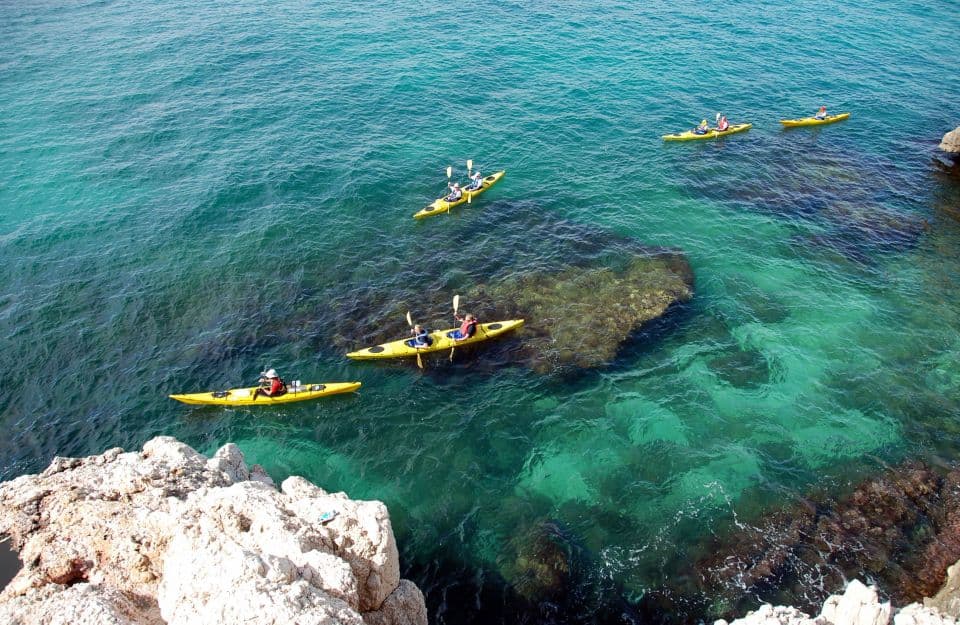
x=244, y=396
x=441, y=341
x=442, y=206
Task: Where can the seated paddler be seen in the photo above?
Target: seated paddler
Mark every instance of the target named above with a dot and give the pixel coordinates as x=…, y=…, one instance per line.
x=476, y=181
x=421, y=337
x=467, y=328
x=455, y=192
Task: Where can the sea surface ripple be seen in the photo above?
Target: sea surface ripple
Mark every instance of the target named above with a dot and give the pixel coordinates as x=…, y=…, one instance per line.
x=192, y=191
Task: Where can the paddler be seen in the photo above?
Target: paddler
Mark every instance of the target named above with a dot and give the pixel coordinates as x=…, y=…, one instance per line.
x=467, y=328
x=271, y=385
x=702, y=129
x=421, y=337
x=722, y=123
x=477, y=182
x=455, y=192
x=821, y=114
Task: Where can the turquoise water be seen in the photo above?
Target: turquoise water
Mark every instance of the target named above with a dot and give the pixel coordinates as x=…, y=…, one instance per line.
x=191, y=192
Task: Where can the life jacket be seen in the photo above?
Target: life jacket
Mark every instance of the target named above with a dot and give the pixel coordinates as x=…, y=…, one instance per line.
x=278, y=386
x=723, y=124
x=423, y=338
x=468, y=328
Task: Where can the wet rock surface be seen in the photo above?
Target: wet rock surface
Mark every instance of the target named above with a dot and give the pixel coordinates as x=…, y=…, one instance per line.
x=901, y=529
x=168, y=536
x=858, y=605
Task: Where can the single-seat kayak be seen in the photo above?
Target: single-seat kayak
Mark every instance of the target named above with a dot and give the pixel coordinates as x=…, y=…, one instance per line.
x=713, y=133
x=440, y=341
x=442, y=205
x=244, y=396
x=813, y=121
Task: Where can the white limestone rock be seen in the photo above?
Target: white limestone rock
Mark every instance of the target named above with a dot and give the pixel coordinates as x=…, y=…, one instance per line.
x=916, y=614
x=360, y=533
x=947, y=601
x=774, y=615
x=196, y=541
x=70, y=605
x=858, y=605
x=404, y=606
x=951, y=141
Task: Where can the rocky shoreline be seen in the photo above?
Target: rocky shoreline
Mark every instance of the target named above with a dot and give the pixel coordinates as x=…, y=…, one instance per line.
x=167, y=536
x=861, y=605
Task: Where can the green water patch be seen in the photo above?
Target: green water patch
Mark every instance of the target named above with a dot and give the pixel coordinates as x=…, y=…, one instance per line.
x=646, y=421
x=838, y=438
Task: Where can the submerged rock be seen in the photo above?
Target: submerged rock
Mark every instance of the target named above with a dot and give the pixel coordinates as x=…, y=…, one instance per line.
x=579, y=317
x=902, y=529
x=583, y=290
x=543, y=564
x=168, y=536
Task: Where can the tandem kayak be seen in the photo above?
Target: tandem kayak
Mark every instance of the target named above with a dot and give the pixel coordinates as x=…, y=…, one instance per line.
x=441, y=341
x=244, y=396
x=713, y=133
x=442, y=206
x=813, y=121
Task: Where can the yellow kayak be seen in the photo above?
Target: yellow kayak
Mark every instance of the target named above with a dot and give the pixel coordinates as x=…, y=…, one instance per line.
x=713, y=133
x=244, y=396
x=443, y=206
x=441, y=341
x=813, y=121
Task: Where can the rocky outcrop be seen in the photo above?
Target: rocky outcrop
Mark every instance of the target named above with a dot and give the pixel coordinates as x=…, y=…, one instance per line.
x=579, y=317
x=902, y=528
x=584, y=291
x=166, y=536
x=951, y=141
x=947, y=600
x=858, y=605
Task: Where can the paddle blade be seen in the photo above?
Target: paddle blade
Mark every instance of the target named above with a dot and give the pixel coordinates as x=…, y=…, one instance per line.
x=409, y=319
x=456, y=303
x=419, y=361
x=449, y=171
x=470, y=164
x=469, y=197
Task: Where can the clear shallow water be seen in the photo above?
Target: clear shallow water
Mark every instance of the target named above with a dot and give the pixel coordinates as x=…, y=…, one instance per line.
x=189, y=193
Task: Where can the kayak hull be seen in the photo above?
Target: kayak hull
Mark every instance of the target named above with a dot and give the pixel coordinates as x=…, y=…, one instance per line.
x=401, y=349
x=812, y=121
x=441, y=206
x=244, y=396
x=713, y=133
